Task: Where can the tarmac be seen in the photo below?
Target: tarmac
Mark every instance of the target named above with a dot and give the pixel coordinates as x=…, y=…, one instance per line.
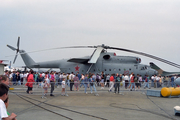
x=133, y=105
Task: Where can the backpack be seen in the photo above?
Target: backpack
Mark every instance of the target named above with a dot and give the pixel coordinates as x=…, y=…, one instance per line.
x=118, y=79
x=135, y=79
x=68, y=77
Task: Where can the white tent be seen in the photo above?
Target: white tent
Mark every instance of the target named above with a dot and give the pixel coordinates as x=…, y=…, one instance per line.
x=2, y=68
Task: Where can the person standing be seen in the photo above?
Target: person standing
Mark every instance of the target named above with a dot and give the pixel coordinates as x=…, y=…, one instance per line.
x=126, y=79
x=111, y=83
x=107, y=80
x=102, y=80
x=132, y=82
x=86, y=82
x=82, y=80
x=52, y=82
x=146, y=84
x=92, y=85
x=76, y=83
x=155, y=81
x=117, y=83
x=97, y=79
x=18, y=78
x=63, y=87
x=60, y=77
x=24, y=78
x=30, y=81
x=71, y=81
x=172, y=81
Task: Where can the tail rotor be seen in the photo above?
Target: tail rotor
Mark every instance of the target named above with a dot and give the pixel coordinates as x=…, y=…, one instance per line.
x=14, y=49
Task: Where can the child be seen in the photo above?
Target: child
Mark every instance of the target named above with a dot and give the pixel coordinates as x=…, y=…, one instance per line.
x=3, y=97
x=63, y=87
x=45, y=86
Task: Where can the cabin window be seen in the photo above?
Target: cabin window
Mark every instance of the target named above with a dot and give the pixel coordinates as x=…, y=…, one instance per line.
x=94, y=70
x=119, y=69
x=104, y=69
x=130, y=69
x=109, y=69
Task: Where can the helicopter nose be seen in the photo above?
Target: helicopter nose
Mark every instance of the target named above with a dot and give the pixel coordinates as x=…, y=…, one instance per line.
x=177, y=81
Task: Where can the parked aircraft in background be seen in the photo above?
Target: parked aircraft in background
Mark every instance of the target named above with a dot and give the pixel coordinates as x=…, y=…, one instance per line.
x=162, y=72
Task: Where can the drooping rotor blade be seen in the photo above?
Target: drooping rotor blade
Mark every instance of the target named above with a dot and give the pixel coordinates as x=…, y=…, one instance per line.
x=15, y=58
x=59, y=48
x=12, y=48
x=95, y=55
x=53, y=49
x=147, y=55
x=18, y=43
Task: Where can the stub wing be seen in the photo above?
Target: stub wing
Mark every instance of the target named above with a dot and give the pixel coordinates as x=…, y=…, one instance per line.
x=78, y=60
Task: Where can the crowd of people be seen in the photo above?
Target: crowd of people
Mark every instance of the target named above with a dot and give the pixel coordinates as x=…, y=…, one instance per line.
x=51, y=79
x=90, y=80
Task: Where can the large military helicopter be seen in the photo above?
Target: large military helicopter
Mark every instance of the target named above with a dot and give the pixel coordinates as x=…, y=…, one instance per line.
x=100, y=60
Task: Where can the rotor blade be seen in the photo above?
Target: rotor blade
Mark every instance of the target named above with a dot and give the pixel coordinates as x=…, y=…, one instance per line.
x=18, y=43
x=95, y=55
x=12, y=48
x=15, y=58
x=59, y=48
x=147, y=55
x=54, y=49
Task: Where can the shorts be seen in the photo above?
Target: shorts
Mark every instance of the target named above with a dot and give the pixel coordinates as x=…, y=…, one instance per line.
x=102, y=81
x=63, y=86
x=137, y=84
x=29, y=88
x=45, y=88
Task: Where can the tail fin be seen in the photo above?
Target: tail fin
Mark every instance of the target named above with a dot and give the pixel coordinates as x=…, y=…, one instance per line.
x=153, y=66
x=29, y=62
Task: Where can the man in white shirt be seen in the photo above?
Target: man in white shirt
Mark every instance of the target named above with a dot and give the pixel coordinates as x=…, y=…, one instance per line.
x=71, y=77
x=126, y=78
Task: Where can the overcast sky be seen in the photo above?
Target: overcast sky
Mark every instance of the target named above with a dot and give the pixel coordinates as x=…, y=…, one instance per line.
x=150, y=26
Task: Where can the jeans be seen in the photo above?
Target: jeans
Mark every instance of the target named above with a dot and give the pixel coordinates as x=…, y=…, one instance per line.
x=111, y=85
x=117, y=85
x=146, y=84
x=60, y=81
x=71, y=85
x=19, y=82
x=68, y=83
x=57, y=82
x=93, y=88
x=133, y=84
x=85, y=85
x=82, y=83
x=52, y=87
x=173, y=84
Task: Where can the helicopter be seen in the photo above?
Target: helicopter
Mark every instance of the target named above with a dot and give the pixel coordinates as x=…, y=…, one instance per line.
x=99, y=61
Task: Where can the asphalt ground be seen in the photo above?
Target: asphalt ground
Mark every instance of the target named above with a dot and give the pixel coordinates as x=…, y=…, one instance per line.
x=133, y=105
